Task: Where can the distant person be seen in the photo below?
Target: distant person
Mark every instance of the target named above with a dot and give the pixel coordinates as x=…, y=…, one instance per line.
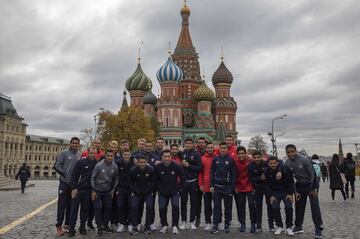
x=316, y=164
x=349, y=168
x=24, y=174
x=335, y=171
x=324, y=172
x=99, y=152
x=64, y=165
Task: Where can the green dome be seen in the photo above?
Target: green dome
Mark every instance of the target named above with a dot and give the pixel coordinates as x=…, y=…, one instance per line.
x=204, y=93
x=149, y=98
x=138, y=80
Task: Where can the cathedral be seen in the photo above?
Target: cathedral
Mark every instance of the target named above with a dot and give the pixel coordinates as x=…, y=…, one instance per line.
x=186, y=106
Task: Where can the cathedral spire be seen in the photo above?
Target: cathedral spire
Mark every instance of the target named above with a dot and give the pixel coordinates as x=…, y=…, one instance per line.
x=185, y=43
x=341, y=153
x=124, y=102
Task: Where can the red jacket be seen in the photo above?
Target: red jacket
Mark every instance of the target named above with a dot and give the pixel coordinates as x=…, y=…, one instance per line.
x=176, y=159
x=243, y=183
x=204, y=174
x=231, y=152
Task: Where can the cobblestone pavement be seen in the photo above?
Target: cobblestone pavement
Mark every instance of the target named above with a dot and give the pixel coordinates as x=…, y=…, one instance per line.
x=341, y=219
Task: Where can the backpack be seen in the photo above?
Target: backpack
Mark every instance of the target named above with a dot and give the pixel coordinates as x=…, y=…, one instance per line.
x=350, y=169
x=317, y=170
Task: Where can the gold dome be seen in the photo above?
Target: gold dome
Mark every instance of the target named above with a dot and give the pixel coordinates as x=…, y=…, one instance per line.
x=185, y=9
x=204, y=93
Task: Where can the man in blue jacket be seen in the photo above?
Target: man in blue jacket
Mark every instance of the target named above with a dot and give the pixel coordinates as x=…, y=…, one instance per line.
x=81, y=191
x=142, y=182
x=280, y=190
x=222, y=185
x=191, y=164
x=64, y=165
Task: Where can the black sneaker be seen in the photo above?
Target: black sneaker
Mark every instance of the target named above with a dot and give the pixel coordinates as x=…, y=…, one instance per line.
x=352, y=195
x=347, y=195
x=147, y=230
x=71, y=233
x=91, y=226
x=82, y=231
x=197, y=222
x=107, y=229
x=259, y=228
x=227, y=228
x=214, y=230
x=99, y=231
x=298, y=230
x=134, y=231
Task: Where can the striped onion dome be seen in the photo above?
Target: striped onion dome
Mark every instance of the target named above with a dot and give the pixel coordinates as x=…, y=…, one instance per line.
x=204, y=93
x=222, y=75
x=149, y=98
x=169, y=72
x=138, y=80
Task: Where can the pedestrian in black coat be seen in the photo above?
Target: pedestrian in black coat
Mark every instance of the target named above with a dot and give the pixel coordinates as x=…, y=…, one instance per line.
x=335, y=171
x=24, y=174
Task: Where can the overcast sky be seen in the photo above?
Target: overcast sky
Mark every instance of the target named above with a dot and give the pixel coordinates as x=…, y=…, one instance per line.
x=60, y=61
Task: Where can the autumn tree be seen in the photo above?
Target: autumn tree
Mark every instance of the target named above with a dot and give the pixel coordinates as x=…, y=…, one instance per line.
x=130, y=124
x=257, y=143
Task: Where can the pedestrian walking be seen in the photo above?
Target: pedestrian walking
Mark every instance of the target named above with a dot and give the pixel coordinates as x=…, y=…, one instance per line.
x=337, y=177
x=24, y=175
x=349, y=168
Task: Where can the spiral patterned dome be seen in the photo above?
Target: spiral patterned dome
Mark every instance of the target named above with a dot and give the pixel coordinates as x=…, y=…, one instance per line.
x=204, y=93
x=149, y=98
x=169, y=72
x=138, y=80
x=222, y=75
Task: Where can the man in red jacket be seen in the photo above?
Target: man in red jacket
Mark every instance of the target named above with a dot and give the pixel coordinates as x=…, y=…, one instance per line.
x=244, y=190
x=174, y=150
x=99, y=152
x=229, y=140
x=204, y=182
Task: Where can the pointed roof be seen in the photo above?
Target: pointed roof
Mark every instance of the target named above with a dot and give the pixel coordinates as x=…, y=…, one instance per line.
x=221, y=133
x=222, y=75
x=184, y=44
x=340, y=148
x=124, y=103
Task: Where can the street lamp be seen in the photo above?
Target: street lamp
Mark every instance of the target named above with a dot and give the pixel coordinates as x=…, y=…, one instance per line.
x=273, y=138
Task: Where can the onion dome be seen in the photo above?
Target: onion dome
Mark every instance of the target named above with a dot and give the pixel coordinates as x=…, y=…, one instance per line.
x=149, y=98
x=222, y=75
x=204, y=93
x=185, y=10
x=138, y=80
x=169, y=72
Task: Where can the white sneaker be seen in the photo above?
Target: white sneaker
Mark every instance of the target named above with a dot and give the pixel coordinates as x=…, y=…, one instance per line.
x=208, y=227
x=130, y=228
x=183, y=226
x=163, y=229
x=278, y=231
x=175, y=230
x=221, y=227
x=192, y=226
x=140, y=227
x=153, y=227
x=289, y=231
x=121, y=228
x=113, y=226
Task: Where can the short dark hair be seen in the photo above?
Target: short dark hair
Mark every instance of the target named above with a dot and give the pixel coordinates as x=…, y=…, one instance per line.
x=109, y=151
x=174, y=145
x=74, y=138
x=349, y=155
x=240, y=148
x=229, y=136
x=124, y=141
x=159, y=138
x=189, y=139
x=165, y=151
x=209, y=142
x=289, y=146
x=256, y=152
x=201, y=138
x=271, y=157
x=141, y=156
x=315, y=156
x=222, y=143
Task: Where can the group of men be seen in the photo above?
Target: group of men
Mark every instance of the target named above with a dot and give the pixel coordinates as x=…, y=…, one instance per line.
x=116, y=185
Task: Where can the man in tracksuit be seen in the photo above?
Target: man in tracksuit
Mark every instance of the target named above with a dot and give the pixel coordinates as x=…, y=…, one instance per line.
x=64, y=166
x=222, y=185
x=140, y=149
x=142, y=181
x=191, y=164
x=81, y=190
x=104, y=180
x=306, y=186
x=159, y=147
x=123, y=192
x=200, y=148
x=280, y=190
x=169, y=178
x=174, y=150
x=257, y=177
x=204, y=183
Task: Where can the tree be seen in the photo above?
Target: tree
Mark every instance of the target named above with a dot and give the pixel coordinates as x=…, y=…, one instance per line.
x=86, y=136
x=257, y=143
x=129, y=123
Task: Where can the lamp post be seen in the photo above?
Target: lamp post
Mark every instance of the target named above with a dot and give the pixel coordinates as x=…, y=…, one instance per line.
x=273, y=138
